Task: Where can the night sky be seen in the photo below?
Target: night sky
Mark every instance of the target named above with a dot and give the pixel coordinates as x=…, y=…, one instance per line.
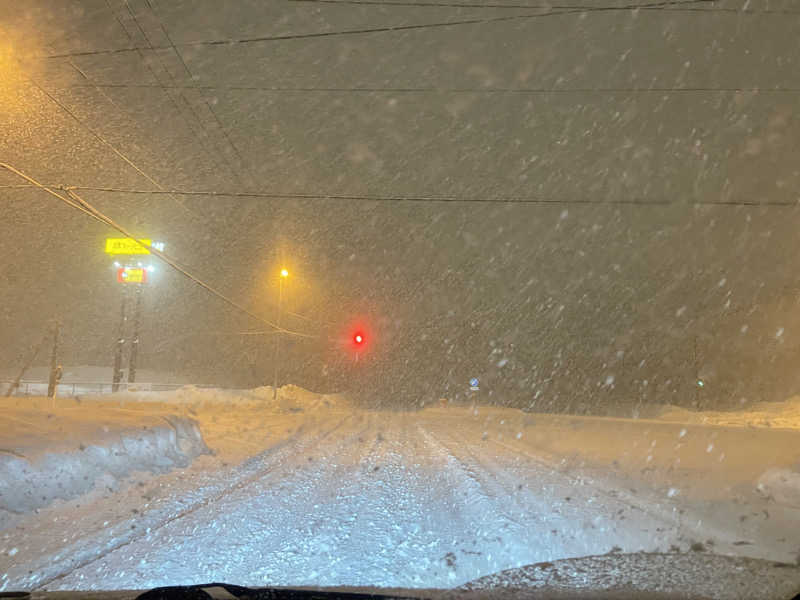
x=586, y=209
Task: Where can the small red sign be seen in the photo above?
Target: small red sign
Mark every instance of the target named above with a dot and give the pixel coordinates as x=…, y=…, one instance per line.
x=131, y=275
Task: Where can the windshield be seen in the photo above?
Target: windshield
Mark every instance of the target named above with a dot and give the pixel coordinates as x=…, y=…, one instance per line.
x=392, y=293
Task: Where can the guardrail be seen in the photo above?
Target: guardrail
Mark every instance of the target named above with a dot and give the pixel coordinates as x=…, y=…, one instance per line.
x=77, y=388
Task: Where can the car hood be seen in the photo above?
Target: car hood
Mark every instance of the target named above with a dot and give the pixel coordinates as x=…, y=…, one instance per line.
x=685, y=575
x=664, y=576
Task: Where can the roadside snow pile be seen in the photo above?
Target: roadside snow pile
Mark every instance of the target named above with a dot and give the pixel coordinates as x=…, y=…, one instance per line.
x=781, y=482
x=290, y=398
x=763, y=414
x=297, y=397
x=782, y=485
x=26, y=485
x=51, y=451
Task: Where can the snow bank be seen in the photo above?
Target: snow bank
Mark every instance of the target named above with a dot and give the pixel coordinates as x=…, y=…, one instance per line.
x=781, y=485
x=784, y=415
x=30, y=483
x=64, y=449
x=290, y=398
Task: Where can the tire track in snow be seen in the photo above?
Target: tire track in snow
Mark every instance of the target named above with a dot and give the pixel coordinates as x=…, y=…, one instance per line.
x=529, y=531
x=432, y=526
x=691, y=520
x=613, y=493
x=489, y=495
x=581, y=525
x=500, y=539
x=670, y=522
x=332, y=520
x=237, y=500
x=274, y=454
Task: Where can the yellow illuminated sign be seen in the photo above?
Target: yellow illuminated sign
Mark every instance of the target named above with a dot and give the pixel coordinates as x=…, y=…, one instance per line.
x=126, y=246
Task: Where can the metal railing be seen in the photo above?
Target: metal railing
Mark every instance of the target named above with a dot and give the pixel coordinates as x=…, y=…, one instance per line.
x=78, y=388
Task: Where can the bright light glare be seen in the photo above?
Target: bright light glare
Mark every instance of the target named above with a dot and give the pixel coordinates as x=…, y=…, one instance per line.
x=12, y=91
x=358, y=338
x=284, y=273
x=116, y=264
x=151, y=268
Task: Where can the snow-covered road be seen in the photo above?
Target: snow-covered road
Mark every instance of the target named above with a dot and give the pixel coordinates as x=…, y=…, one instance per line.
x=351, y=497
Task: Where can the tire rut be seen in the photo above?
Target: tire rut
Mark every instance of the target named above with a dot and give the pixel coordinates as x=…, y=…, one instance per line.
x=273, y=453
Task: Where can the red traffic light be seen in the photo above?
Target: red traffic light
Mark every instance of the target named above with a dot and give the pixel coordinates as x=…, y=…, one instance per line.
x=357, y=337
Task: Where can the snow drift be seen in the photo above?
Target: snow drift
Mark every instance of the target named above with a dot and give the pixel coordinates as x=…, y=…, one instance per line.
x=781, y=485
x=776, y=415
x=27, y=484
x=290, y=398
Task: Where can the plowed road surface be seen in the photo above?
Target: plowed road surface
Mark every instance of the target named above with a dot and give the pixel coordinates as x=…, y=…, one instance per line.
x=429, y=499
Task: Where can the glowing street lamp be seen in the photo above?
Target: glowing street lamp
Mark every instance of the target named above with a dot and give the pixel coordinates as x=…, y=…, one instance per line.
x=284, y=273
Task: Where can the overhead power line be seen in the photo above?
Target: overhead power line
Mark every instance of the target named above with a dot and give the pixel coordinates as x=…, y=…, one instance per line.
x=540, y=6
x=423, y=4
x=383, y=29
x=178, y=54
x=99, y=89
x=453, y=90
x=188, y=105
x=75, y=201
x=94, y=132
x=158, y=81
x=707, y=6
x=423, y=198
x=102, y=139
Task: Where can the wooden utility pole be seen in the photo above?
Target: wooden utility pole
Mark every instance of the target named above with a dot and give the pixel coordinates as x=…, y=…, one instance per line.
x=120, y=345
x=27, y=365
x=137, y=317
x=53, y=381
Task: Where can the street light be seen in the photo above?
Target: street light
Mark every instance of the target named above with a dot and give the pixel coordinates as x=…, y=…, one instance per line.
x=284, y=275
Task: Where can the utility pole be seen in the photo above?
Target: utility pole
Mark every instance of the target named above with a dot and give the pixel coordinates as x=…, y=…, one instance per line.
x=26, y=366
x=697, y=383
x=120, y=342
x=137, y=311
x=51, y=385
x=278, y=334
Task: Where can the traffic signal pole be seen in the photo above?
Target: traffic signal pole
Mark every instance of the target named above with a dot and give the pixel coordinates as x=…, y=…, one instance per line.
x=120, y=342
x=137, y=312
